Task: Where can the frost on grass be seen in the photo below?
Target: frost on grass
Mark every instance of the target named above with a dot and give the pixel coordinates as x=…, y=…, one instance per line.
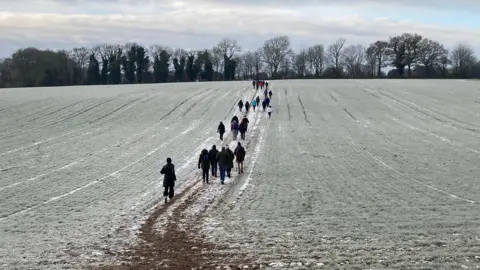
x=358, y=189
x=366, y=182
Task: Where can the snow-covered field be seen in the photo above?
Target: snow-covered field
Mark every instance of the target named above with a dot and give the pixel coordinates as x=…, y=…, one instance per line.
x=348, y=173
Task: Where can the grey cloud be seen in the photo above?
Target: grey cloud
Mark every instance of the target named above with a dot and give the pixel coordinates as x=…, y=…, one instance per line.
x=201, y=27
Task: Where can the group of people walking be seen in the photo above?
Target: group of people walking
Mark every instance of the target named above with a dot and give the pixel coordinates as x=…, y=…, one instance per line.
x=265, y=103
x=221, y=162
x=259, y=84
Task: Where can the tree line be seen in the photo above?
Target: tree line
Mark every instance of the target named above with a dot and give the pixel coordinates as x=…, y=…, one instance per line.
x=408, y=55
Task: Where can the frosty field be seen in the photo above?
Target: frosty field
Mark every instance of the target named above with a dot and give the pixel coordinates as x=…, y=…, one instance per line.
x=350, y=174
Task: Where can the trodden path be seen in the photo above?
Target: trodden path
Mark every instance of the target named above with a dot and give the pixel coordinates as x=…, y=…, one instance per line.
x=170, y=237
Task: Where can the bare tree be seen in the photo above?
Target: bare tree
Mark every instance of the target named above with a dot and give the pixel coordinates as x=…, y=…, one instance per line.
x=155, y=50
x=228, y=47
x=334, y=53
x=105, y=50
x=274, y=52
x=429, y=54
x=81, y=56
x=240, y=67
x=248, y=64
x=300, y=63
x=179, y=53
x=381, y=52
x=397, y=54
x=412, y=44
x=371, y=61
x=257, y=62
x=443, y=63
x=353, y=57
x=217, y=59
x=315, y=58
x=463, y=59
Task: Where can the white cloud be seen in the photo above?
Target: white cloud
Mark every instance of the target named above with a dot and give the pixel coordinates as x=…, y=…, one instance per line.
x=201, y=23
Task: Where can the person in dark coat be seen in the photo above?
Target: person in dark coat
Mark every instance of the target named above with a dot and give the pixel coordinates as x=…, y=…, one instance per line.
x=221, y=130
x=230, y=161
x=270, y=94
x=267, y=101
x=223, y=161
x=253, y=84
x=257, y=84
x=258, y=100
x=247, y=106
x=240, y=105
x=266, y=85
x=245, y=122
x=204, y=164
x=240, y=156
x=243, y=130
x=264, y=105
x=265, y=93
x=169, y=179
x=235, y=130
x=234, y=118
x=212, y=156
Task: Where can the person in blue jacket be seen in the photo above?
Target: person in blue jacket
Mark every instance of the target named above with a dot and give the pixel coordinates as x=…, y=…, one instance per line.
x=267, y=101
x=254, y=104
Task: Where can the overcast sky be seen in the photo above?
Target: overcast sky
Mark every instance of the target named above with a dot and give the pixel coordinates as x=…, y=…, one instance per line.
x=202, y=23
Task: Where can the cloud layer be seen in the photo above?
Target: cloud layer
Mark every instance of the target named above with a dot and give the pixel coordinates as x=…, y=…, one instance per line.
x=201, y=23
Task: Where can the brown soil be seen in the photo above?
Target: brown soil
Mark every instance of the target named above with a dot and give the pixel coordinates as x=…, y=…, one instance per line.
x=177, y=248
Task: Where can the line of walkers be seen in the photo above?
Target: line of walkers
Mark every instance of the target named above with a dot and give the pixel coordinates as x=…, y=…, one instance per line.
x=220, y=160
x=265, y=103
x=259, y=84
x=215, y=160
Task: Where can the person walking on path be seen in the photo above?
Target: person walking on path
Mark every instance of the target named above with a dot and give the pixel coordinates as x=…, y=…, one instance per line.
x=204, y=164
x=221, y=130
x=247, y=106
x=264, y=105
x=245, y=122
x=240, y=157
x=235, y=129
x=258, y=100
x=240, y=105
x=267, y=101
x=253, y=84
x=266, y=85
x=270, y=94
x=212, y=156
x=223, y=160
x=169, y=179
x=265, y=93
x=243, y=130
x=269, y=111
x=254, y=104
x=234, y=118
x=231, y=157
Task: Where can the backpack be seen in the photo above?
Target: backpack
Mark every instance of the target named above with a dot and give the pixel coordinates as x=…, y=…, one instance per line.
x=235, y=125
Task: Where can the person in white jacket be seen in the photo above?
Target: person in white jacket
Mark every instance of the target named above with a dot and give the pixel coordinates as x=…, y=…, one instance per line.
x=269, y=111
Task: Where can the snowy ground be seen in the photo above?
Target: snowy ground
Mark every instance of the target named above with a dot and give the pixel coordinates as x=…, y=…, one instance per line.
x=367, y=173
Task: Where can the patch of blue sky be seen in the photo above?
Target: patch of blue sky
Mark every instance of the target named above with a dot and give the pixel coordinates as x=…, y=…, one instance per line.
x=454, y=18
